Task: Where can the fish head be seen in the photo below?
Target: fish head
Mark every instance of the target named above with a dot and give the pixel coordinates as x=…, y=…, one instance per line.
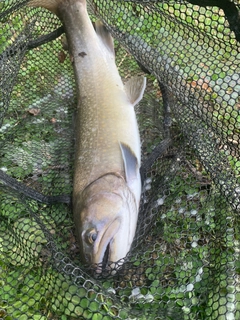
x=106, y=222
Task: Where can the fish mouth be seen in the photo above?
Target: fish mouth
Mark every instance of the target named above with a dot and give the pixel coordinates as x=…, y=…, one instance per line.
x=104, y=247
x=106, y=257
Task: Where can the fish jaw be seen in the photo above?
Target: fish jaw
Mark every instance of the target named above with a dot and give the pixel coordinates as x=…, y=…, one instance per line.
x=106, y=216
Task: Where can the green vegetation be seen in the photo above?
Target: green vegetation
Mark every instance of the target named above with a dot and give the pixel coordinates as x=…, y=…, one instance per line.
x=190, y=257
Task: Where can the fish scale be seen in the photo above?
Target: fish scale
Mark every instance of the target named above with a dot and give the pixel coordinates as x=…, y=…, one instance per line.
x=106, y=183
x=100, y=148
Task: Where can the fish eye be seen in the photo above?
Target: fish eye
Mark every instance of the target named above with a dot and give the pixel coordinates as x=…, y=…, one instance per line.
x=91, y=236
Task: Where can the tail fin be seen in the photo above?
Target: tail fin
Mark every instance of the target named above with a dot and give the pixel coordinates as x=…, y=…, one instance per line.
x=51, y=5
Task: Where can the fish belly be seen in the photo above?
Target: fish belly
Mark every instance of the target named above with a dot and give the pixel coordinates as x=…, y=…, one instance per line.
x=103, y=121
x=105, y=117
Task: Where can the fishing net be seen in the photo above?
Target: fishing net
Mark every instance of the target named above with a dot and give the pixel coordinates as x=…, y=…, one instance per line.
x=185, y=259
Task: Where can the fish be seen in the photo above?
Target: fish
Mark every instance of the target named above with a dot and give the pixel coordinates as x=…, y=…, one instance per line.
x=106, y=180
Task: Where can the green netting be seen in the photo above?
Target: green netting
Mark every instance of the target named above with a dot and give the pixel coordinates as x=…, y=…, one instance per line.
x=185, y=259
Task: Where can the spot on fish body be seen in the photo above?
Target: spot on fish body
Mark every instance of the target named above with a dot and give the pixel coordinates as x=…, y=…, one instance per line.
x=82, y=54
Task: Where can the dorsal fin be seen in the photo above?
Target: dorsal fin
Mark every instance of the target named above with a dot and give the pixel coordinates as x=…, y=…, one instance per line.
x=104, y=35
x=134, y=88
x=131, y=165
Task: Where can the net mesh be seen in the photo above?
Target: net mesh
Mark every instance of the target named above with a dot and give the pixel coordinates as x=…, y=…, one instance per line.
x=184, y=262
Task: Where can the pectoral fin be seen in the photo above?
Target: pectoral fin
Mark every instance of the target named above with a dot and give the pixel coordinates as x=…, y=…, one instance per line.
x=105, y=36
x=131, y=165
x=134, y=88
